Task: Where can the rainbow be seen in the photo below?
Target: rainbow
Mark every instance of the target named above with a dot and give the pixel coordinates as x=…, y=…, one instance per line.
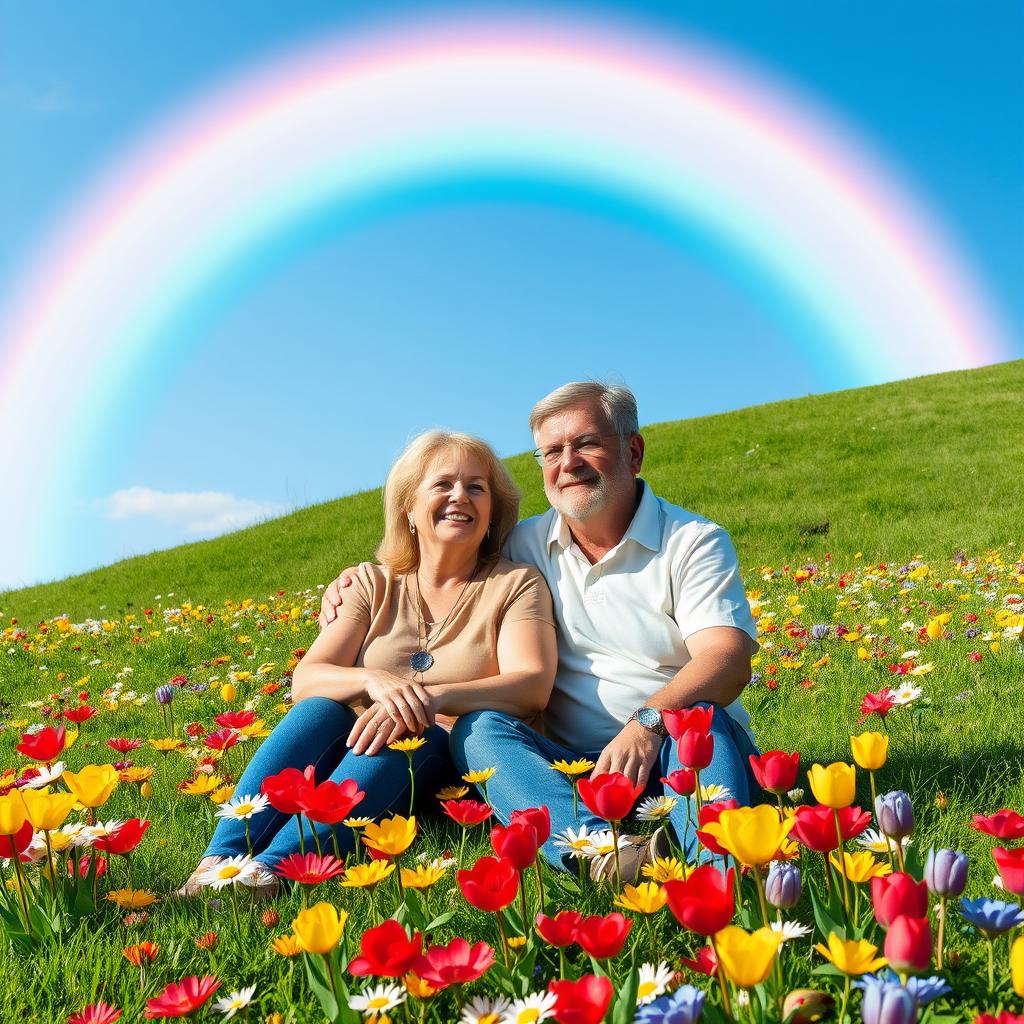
x=676, y=128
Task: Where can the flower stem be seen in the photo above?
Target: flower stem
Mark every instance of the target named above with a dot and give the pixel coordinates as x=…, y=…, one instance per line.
x=412, y=784
x=726, y=1002
x=942, y=933
x=615, y=844
x=841, y=857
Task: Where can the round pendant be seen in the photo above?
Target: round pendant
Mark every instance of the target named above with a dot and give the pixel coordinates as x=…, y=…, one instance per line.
x=421, y=661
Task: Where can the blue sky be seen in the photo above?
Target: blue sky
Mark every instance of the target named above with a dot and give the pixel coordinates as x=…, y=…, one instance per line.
x=465, y=307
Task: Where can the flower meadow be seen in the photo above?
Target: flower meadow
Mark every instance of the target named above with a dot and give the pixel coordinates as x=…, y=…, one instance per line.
x=881, y=880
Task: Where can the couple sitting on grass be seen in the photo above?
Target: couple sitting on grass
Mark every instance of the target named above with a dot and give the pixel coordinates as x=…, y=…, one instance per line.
x=561, y=638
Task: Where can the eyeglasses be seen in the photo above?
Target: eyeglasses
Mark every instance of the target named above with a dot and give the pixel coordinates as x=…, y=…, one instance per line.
x=585, y=444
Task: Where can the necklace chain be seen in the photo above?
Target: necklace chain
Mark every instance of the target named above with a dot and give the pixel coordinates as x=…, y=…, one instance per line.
x=421, y=659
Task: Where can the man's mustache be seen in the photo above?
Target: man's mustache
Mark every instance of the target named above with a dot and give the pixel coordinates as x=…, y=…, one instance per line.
x=578, y=478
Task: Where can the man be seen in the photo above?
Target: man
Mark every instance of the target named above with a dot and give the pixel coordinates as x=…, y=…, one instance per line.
x=651, y=615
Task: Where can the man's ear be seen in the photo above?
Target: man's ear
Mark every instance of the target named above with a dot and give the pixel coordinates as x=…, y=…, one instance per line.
x=635, y=453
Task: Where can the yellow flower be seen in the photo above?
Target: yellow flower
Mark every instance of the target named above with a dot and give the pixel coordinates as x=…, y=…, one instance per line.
x=360, y=876
x=166, y=745
x=357, y=822
x=665, y=869
x=453, y=792
x=752, y=835
x=573, y=768
x=417, y=987
x=475, y=778
x=1017, y=965
x=48, y=811
x=408, y=745
x=136, y=774
x=319, y=928
x=516, y=941
x=130, y=899
x=851, y=956
x=286, y=945
x=228, y=693
x=870, y=749
x=392, y=836
x=146, y=790
x=202, y=785
x=423, y=876
x=935, y=628
x=13, y=813
x=861, y=866
x=93, y=784
x=221, y=794
x=834, y=784
x=746, y=957
x=645, y=898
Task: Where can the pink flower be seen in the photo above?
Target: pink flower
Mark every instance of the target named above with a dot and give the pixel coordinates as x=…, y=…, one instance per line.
x=454, y=964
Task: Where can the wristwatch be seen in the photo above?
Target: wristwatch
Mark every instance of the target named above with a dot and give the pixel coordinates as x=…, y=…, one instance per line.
x=650, y=719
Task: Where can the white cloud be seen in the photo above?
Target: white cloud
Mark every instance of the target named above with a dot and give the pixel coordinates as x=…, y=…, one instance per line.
x=195, y=512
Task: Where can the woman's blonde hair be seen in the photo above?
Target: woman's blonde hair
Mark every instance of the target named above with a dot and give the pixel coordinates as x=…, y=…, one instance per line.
x=399, y=549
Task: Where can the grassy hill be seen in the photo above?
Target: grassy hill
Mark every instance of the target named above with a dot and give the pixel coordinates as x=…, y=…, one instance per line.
x=925, y=466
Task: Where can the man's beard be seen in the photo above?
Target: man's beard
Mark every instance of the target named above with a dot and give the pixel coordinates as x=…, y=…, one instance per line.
x=580, y=502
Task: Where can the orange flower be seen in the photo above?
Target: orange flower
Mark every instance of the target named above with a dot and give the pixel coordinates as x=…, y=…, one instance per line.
x=141, y=953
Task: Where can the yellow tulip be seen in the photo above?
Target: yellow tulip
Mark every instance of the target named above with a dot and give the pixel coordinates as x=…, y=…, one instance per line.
x=228, y=693
x=48, y=811
x=93, y=784
x=833, y=785
x=1017, y=965
x=392, y=836
x=646, y=898
x=935, y=629
x=13, y=813
x=852, y=957
x=746, y=957
x=861, y=866
x=318, y=929
x=752, y=835
x=870, y=749
x=146, y=790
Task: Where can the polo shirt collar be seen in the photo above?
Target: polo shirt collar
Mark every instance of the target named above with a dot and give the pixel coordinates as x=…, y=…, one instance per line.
x=645, y=528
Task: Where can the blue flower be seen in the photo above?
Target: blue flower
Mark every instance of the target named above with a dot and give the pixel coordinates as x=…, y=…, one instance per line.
x=992, y=917
x=819, y=631
x=924, y=990
x=886, y=1002
x=683, y=1006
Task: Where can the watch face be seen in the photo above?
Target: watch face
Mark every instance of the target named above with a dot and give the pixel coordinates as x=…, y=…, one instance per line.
x=649, y=718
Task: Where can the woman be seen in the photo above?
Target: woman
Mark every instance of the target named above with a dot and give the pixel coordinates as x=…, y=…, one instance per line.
x=441, y=626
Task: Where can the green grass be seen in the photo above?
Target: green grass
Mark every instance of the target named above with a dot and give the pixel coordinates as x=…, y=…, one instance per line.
x=924, y=467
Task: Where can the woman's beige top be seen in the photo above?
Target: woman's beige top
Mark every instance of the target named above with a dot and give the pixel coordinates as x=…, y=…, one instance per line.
x=467, y=648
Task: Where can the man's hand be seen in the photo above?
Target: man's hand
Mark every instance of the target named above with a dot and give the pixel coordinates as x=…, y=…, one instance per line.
x=633, y=752
x=331, y=600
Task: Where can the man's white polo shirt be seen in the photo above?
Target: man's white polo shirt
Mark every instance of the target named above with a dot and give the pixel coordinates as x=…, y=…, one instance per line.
x=623, y=622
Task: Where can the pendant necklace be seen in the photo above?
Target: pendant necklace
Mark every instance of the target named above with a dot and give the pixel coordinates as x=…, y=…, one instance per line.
x=422, y=659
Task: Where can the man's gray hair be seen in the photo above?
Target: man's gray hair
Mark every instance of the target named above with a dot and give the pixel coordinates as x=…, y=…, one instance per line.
x=617, y=400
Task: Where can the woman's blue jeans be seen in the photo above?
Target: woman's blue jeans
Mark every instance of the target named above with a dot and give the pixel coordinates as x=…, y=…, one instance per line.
x=314, y=733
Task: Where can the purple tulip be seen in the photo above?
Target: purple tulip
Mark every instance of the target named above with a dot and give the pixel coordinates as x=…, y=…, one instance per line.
x=895, y=814
x=819, y=631
x=782, y=886
x=164, y=694
x=945, y=872
x=887, y=1002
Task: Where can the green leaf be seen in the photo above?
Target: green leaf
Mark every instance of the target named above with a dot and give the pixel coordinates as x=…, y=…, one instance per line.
x=624, y=1006
x=438, y=921
x=826, y=914
x=316, y=975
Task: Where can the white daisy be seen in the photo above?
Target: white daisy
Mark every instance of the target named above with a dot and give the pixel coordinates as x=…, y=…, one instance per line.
x=573, y=840
x=228, y=872
x=654, y=808
x=377, y=999
x=906, y=694
x=907, y=655
x=796, y=795
x=654, y=981
x=242, y=806
x=46, y=777
x=230, y=1004
x=481, y=1010
x=873, y=840
x=714, y=793
x=788, y=930
x=998, y=882
x=534, y=1007
x=88, y=834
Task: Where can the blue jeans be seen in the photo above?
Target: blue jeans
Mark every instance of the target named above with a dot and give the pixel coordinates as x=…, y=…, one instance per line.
x=525, y=778
x=314, y=732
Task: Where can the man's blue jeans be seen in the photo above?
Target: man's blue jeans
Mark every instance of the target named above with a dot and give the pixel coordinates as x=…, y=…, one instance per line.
x=314, y=732
x=525, y=777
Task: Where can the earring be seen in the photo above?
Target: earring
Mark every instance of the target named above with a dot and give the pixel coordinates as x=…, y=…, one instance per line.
x=412, y=524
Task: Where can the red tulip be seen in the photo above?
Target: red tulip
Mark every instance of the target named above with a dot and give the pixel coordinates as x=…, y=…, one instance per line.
x=610, y=796
x=123, y=840
x=387, y=952
x=84, y=863
x=235, y=719
x=45, y=745
x=816, y=826
x=1004, y=824
x=705, y=962
x=707, y=814
x=311, y=869
x=454, y=964
x=222, y=739
x=517, y=843
x=1011, y=868
x=491, y=884
x=560, y=930
x=12, y=846
x=678, y=720
x=539, y=818
x=581, y=1002
x=908, y=944
x=776, y=770
x=179, y=999
x=898, y=895
x=467, y=812
x=80, y=714
x=286, y=790
x=696, y=749
x=603, y=937
x=683, y=781
x=704, y=901
x=330, y=802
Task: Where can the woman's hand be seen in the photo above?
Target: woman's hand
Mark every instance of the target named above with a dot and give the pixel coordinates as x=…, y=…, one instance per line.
x=374, y=729
x=405, y=700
